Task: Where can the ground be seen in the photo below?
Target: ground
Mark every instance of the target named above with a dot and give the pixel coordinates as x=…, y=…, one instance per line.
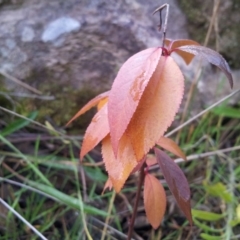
x=43, y=180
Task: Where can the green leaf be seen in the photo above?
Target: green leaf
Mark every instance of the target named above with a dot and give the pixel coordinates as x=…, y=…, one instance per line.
x=18, y=124
x=235, y=222
x=237, y=170
x=219, y=190
x=205, y=227
x=210, y=237
x=207, y=216
x=95, y=174
x=227, y=112
x=238, y=211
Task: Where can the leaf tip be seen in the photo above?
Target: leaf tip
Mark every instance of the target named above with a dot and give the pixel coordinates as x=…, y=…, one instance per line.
x=67, y=124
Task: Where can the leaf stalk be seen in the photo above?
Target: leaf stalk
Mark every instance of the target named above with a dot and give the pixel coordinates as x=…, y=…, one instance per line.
x=139, y=189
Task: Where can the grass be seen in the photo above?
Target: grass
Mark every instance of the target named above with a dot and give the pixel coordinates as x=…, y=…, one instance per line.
x=47, y=194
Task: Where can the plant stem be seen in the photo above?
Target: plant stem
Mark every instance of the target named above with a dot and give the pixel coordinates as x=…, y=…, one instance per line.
x=230, y=206
x=139, y=189
x=159, y=9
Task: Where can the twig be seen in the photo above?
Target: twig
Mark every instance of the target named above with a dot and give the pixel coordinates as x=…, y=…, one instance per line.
x=139, y=189
x=202, y=155
x=201, y=113
x=108, y=216
x=214, y=15
x=25, y=95
x=115, y=231
x=208, y=154
x=20, y=83
x=199, y=70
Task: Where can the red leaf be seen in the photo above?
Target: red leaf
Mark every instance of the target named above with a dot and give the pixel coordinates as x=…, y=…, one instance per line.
x=172, y=44
x=139, y=165
x=176, y=181
x=171, y=146
x=101, y=103
x=212, y=57
x=108, y=185
x=157, y=107
x=154, y=200
x=89, y=105
x=118, y=168
x=96, y=131
x=151, y=160
x=127, y=90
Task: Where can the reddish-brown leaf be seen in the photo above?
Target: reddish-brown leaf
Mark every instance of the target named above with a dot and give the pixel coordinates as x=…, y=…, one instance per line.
x=151, y=160
x=89, y=105
x=96, y=131
x=176, y=181
x=139, y=165
x=118, y=168
x=101, y=103
x=173, y=44
x=211, y=56
x=154, y=200
x=157, y=107
x=171, y=146
x=127, y=90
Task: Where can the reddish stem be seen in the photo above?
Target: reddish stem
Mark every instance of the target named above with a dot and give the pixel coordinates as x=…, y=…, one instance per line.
x=165, y=51
x=139, y=189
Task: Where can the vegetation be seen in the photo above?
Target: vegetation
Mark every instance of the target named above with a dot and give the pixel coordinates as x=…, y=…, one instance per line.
x=46, y=193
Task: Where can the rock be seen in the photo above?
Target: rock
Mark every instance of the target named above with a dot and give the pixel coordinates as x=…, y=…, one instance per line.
x=27, y=34
x=73, y=49
x=58, y=27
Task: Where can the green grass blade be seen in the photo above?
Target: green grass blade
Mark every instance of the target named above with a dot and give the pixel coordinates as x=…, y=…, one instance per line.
x=227, y=112
x=31, y=165
x=210, y=237
x=205, y=227
x=66, y=199
x=219, y=190
x=207, y=216
x=18, y=124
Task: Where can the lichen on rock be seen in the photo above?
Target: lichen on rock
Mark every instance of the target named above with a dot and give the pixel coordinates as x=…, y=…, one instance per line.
x=58, y=27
